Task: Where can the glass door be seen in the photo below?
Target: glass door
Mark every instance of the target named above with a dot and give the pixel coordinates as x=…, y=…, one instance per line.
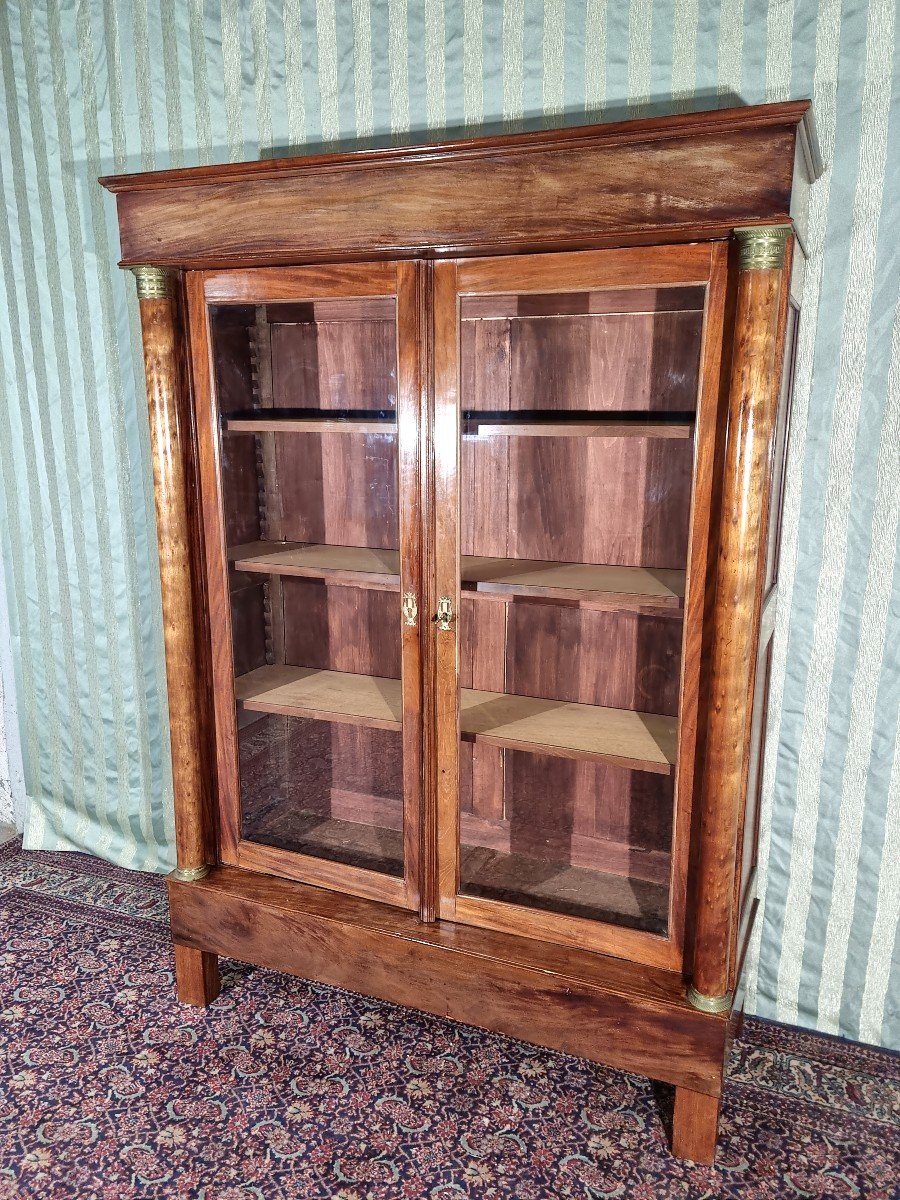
x=575, y=416
x=308, y=413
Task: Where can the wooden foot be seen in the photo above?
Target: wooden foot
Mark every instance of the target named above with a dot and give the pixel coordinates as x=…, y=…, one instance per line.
x=695, y=1126
x=196, y=976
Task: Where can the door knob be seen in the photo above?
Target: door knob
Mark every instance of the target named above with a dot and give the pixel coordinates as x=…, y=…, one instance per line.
x=444, y=615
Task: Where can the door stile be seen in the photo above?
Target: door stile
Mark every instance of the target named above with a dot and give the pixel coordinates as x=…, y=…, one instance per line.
x=707, y=427
x=410, y=393
x=216, y=566
x=445, y=443
x=263, y=286
x=429, y=895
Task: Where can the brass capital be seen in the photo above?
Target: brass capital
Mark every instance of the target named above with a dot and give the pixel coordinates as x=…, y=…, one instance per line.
x=762, y=246
x=153, y=283
x=709, y=1004
x=188, y=874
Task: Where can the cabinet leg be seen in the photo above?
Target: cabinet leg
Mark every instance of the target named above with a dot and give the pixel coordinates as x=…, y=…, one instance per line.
x=196, y=976
x=695, y=1126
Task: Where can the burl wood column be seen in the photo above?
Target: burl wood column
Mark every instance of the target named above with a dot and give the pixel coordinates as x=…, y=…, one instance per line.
x=752, y=404
x=196, y=972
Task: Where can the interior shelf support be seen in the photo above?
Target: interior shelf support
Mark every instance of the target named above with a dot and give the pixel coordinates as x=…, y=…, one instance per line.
x=752, y=401
x=169, y=443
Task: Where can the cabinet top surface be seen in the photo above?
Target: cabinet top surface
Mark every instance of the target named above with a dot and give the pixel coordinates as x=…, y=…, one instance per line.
x=596, y=136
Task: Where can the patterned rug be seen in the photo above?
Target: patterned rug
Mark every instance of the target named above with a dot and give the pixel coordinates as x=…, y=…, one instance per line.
x=286, y=1090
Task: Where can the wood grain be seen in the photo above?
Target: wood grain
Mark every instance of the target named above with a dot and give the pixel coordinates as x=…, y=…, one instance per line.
x=361, y=565
x=695, y=1126
x=710, y=174
x=755, y=372
x=445, y=444
x=411, y=396
x=197, y=979
x=709, y=431
x=321, y=873
x=170, y=448
x=274, y=285
x=610, y=479
x=594, y=1006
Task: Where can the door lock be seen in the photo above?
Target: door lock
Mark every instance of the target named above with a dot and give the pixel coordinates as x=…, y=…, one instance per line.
x=410, y=608
x=444, y=615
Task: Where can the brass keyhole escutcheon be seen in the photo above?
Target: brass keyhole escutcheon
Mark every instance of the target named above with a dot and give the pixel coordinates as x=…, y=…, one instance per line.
x=444, y=614
x=410, y=609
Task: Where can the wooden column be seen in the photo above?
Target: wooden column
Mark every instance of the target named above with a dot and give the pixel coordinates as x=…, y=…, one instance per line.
x=753, y=394
x=165, y=384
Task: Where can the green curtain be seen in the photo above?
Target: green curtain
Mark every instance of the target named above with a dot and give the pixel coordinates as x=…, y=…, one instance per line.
x=109, y=85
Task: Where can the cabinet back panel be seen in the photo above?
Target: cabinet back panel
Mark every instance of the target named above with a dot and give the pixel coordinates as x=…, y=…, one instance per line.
x=334, y=364
x=614, y=659
x=248, y=628
x=230, y=336
x=644, y=363
x=624, y=501
x=569, y=361
x=608, y=804
x=242, y=487
x=339, y=488
x=586, y=656
x=336, y=628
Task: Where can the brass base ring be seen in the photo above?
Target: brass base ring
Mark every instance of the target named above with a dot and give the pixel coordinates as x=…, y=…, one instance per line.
x=188, y=874
x=710, y=1004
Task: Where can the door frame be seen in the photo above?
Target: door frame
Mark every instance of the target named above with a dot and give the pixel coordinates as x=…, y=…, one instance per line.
x=268, y=285
x=699, y=264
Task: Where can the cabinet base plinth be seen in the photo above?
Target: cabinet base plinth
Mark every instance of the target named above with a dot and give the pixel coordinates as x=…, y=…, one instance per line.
x=623, y=1014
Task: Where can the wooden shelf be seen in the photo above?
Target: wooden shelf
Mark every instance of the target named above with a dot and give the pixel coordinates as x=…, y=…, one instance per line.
x=323, y=424
x=630, y=739
x=359, y=565
x=322, y=695
x=486, y=578
x=653, y=427
x=660, y=427
x=605, y=586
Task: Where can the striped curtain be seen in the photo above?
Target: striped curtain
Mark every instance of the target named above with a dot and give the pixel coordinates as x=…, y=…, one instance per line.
x=12, y=789
x=91, y=86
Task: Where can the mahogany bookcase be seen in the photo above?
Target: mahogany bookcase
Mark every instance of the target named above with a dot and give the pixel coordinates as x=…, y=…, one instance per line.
x=468, y=463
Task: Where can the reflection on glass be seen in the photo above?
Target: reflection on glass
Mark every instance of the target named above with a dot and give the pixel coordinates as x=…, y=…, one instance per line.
x=576, y=461
x=307, y=403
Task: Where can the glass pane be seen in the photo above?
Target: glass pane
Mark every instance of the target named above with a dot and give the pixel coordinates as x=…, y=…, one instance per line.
x=307, y=403
x=575, y=490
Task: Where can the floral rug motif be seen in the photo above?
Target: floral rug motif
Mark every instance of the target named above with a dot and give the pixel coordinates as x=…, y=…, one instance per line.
x=289, y=1090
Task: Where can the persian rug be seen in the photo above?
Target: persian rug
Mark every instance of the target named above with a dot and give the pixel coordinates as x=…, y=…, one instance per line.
x=288, y=1090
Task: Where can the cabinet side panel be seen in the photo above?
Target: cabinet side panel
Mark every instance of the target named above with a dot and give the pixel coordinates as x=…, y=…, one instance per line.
x=779, y=454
